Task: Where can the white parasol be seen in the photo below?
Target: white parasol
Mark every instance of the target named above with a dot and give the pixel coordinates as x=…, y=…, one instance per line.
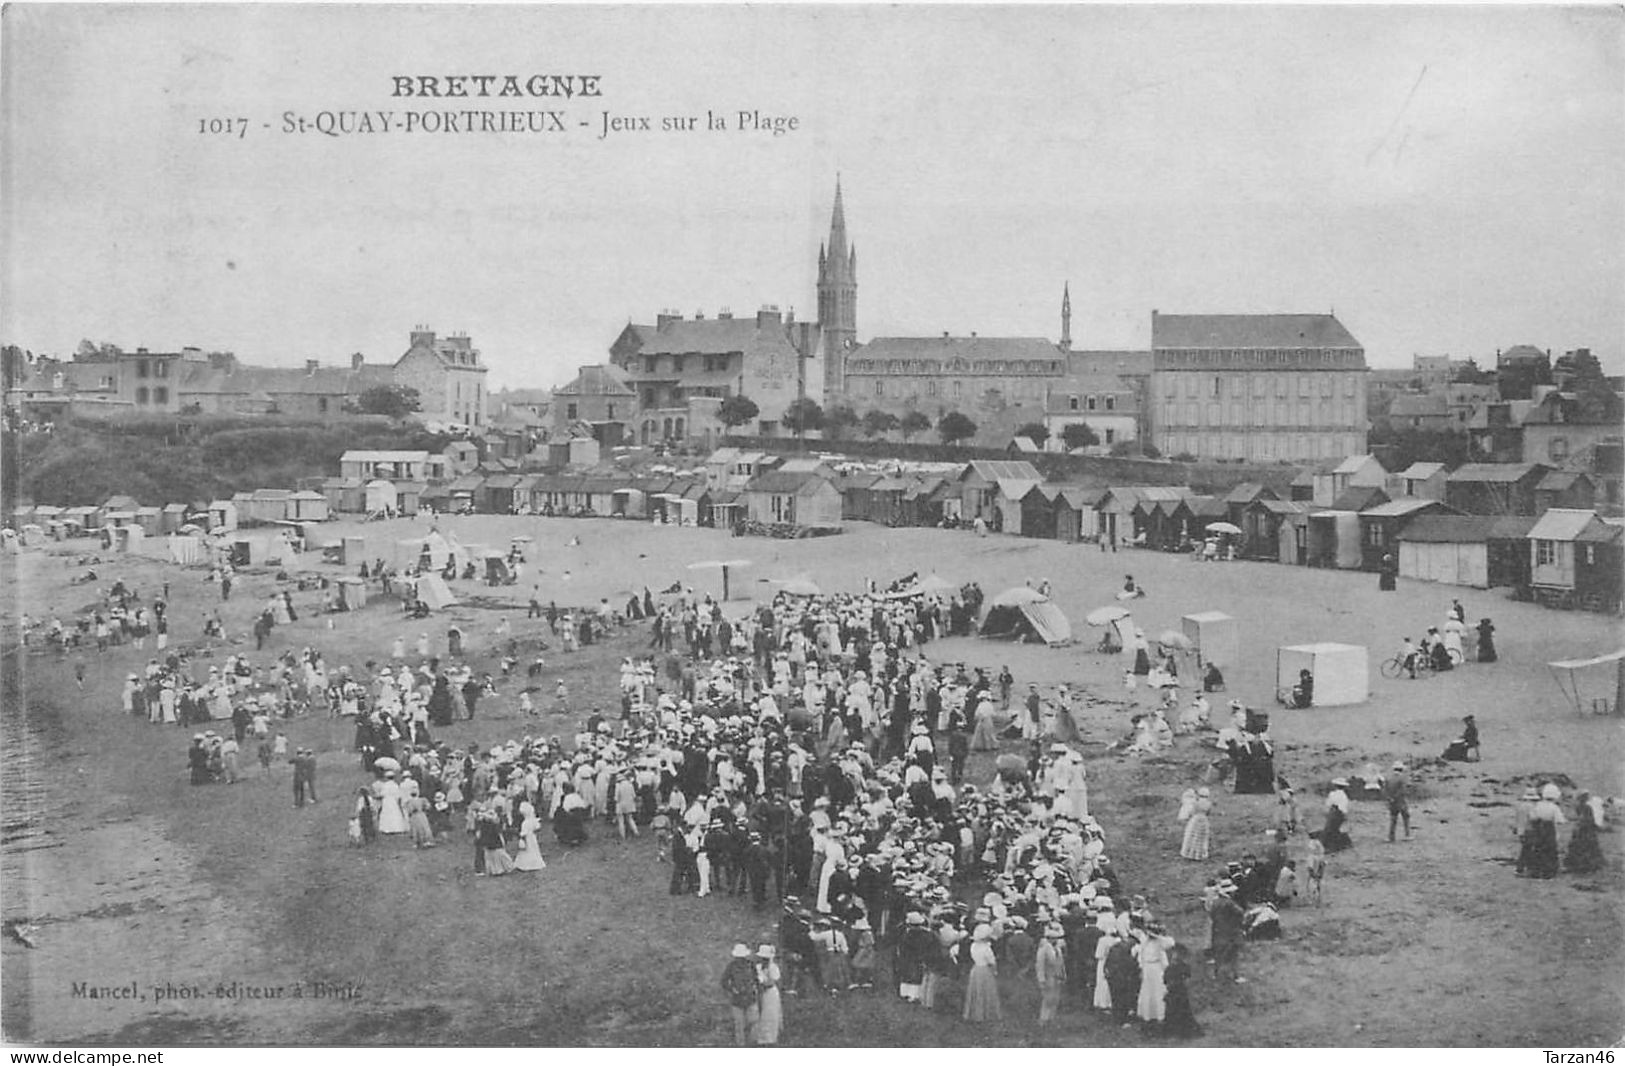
x=1103, y=616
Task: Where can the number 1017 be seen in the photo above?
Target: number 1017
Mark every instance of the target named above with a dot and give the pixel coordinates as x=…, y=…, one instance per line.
x=224, y=127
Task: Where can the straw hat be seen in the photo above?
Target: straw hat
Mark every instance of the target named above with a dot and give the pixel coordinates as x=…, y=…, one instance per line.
x=741, y=951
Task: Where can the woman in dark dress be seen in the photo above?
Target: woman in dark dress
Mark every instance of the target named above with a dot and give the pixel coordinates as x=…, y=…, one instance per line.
x=1486, y=641
x=197, y=760
x=1584, y=855
x=1178, y=1020
x=1540, y=838
x=1332, y=834
x=440, y=704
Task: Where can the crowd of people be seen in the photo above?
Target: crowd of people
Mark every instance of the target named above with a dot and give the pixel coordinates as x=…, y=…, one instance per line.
x=811, y=757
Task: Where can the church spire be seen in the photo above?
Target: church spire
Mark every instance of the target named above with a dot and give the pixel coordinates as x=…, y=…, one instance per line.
x=1066, y=316
x=837, y=295
x=839, y=256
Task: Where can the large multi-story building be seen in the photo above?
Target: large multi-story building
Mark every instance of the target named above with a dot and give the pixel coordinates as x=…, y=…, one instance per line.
x=681, y=369
x=448, y=376
x=1257, y=387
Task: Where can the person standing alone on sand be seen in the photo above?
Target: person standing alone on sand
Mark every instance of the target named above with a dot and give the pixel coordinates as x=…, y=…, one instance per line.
x=1393, y=790
x=1224, y=916
x=739, y=980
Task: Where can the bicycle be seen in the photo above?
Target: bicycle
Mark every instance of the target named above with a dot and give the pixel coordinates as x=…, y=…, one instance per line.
x=1395, y=667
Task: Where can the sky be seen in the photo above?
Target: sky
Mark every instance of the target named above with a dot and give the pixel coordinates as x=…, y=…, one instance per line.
x=1447, y=180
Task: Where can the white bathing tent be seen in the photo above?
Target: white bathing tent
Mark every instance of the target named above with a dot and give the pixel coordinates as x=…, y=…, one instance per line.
x=1215, y=636
x=1340, y=671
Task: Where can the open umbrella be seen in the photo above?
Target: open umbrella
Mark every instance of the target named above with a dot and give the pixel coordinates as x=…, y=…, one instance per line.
x=1223, y=527
x=1102, y=616
x=933, y=583
x=1017, y=596
x=800, y=586
x=384, y=762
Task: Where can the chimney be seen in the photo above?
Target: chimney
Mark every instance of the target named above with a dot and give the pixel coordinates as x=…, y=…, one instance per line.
x=973, y=333
x=665, y=318
x=422, y=336
x=767, y=316
x=140, y=351
x=790, y=317
x=311, y=365
x=699, y=316
x=726, y=313
x=944, y=334
x=356, y=359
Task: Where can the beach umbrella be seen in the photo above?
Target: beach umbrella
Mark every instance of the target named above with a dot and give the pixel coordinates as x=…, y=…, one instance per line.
x=800, y=586
x=1018, y=596
x=933, y=583
x=1173, y=638
x=1223, y=527
x=384, y=762
x=1102, y=616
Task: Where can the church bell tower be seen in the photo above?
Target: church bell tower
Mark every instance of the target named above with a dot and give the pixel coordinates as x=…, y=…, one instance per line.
x=837, y=298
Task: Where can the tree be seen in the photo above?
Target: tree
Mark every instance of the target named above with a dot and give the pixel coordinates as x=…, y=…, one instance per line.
x=1123, y=448
x=396, y=401
x=1036, y=432
x=838, y=420
x=802, y=415
x=914, y=422
x=737, y=410
x=1079, y=435
x=954, y=427
x=1468, y=373
x=89, y=349
x=1573, y=368
x=877, y=422
x=1517, y=378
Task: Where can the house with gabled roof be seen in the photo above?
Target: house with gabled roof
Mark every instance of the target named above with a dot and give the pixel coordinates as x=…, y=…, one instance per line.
x=599, y=396
x=804, y=499
x=1565, y=488
x=448, y=376
x=979, y=484
x=1421, y=479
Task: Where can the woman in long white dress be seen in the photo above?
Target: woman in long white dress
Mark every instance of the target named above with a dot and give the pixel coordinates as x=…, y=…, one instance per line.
x=1103, y=947
x=391, y=818
x=1198, y=830
x=1153, y=955
x=529, y=856
x=834, y=857
x=770, y=1014
x=985, y=736
x=1453, y=629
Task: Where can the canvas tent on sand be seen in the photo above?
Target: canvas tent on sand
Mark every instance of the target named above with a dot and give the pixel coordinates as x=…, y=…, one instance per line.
x=1215, y=637
x=1023, y=614
x=433, y=592
x=1339, y=670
